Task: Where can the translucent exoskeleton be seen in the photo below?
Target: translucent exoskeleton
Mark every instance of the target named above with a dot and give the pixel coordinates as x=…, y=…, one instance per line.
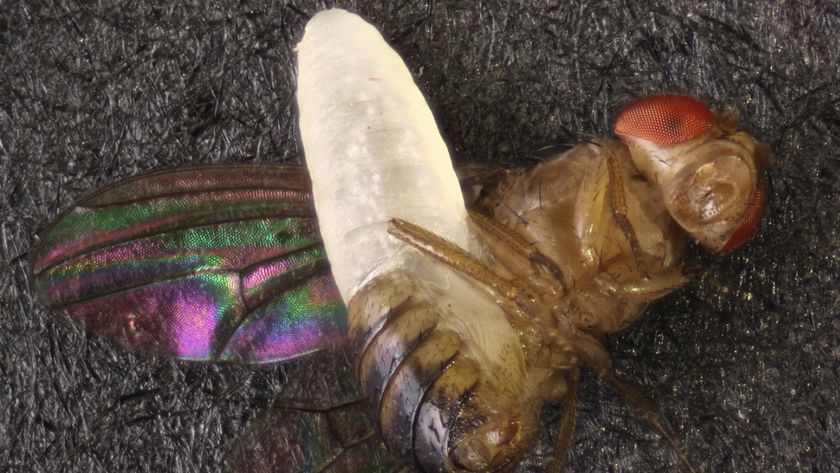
x=459, y=324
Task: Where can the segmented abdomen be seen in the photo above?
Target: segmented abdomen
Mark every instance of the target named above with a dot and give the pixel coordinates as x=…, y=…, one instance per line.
x=431, y=393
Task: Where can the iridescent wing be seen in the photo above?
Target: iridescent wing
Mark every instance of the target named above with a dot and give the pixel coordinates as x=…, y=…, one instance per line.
x=225, y=263
x=206, y=263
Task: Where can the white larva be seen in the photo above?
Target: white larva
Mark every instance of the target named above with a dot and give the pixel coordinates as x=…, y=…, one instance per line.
x=372, y=148
x=374, y=153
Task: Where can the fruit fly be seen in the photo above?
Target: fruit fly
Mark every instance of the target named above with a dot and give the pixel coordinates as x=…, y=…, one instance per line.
x=464, y=323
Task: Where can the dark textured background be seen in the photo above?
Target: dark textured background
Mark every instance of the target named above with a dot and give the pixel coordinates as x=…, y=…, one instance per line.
x=744, y=365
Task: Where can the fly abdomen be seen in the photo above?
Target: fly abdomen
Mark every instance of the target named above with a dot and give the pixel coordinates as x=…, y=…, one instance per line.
x=435, y=405
x=401, y=350
x=442, y=404
x=389, y=342
x=405, y=389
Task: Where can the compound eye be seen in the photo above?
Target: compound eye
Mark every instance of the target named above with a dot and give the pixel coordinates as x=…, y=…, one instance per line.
x=665, y=119
x=750, y=222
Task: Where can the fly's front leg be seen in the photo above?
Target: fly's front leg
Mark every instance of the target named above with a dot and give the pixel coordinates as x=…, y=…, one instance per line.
x=619, y=205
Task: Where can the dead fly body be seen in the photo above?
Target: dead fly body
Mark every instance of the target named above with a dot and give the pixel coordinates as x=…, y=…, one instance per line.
x=464, y=322
x=573, y=249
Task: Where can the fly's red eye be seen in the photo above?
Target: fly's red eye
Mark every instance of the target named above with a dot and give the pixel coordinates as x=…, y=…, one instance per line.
x=665, y=119
x=749, y=224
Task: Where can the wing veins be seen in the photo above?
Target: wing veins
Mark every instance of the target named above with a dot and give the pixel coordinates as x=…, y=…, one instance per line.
x=144, y=199
x=92, y=249
x=298, y=275
x=173, y=277
x=179, y=275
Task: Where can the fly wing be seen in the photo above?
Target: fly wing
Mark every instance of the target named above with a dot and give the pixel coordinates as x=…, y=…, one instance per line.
x=206, y=263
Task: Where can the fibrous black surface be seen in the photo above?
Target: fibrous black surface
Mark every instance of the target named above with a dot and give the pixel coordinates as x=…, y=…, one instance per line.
x=744, y=365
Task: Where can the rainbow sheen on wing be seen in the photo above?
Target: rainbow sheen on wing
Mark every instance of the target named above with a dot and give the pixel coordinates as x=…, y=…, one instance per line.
x=209, y=263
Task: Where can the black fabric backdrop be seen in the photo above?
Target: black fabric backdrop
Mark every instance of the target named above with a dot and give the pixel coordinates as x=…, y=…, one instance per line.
x=744, y=364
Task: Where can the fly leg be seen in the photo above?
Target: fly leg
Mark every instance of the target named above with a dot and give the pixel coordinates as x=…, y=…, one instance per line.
x=619, y=207
x=515, y=298
x=594, y=355
x=527, y=263
x=659, y=284
x=655, y=286
x=568, y=425
x=520, y=301
x=519, y=256
x=300, y=439
x=319, y=424
x=648, y=411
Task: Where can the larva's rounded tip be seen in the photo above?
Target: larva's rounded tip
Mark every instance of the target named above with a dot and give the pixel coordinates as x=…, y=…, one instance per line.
x=335, y=29
x=665, y=119
x=332, y=18
x=330, y=15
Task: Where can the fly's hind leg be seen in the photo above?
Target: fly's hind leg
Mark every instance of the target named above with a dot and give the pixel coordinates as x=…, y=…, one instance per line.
x=299, y=439
x=520, y=256
x=521, y=301
x=512, y=296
